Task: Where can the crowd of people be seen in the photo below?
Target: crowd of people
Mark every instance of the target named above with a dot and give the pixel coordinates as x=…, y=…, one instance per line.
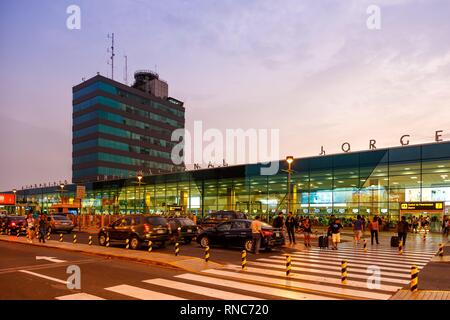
x=36, y=225
x=292, y=224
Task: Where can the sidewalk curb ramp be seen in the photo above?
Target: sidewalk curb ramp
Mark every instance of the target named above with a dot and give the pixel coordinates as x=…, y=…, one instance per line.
x=185, y=263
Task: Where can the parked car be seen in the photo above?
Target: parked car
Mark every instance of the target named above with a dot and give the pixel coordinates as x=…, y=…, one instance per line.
x=139, y=229
x=58, y=223
x=14, y=224
x=237, y=233
x=214, y=218
x=182, y=229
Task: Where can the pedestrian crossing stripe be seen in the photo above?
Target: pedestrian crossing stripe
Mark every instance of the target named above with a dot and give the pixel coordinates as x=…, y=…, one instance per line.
x=356, y=268
x=397, y=260
x=331, y=273
x=287, y=294
x=407, y=253
x=322, y=279
x=79, y=296
x=142, y=294
x=355, y=294
x=202, y=290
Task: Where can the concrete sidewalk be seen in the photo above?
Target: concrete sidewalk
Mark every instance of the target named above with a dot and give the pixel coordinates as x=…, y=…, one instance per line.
x=186, y=263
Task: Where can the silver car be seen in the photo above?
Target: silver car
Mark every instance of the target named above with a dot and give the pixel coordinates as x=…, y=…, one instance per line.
x=58, y=223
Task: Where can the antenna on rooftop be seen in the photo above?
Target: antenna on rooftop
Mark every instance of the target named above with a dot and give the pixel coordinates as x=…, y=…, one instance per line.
x=111, y=50
x=125, y=77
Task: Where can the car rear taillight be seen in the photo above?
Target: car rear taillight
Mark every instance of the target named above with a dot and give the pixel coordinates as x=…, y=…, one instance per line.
x=267, y=233
x=13, y=224
x=146, y=228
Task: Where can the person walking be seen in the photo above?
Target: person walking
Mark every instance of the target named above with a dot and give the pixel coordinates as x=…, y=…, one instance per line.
x=335, y=230
x=415, y=224
x=445, y=226
x=42, y=228
x=358, y=227
x=256, y=227
x=402, y=230
x=30, y=225
x=373, y=227
x=380, y=224
x=306, y=226
x=290, y=227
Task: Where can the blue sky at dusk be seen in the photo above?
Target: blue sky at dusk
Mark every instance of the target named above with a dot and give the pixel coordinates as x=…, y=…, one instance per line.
x=309, y=68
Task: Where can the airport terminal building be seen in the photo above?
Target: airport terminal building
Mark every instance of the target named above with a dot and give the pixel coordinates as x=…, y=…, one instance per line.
x=407, y=180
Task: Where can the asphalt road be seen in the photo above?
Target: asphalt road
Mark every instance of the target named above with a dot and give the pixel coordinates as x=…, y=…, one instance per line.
x=23, y=277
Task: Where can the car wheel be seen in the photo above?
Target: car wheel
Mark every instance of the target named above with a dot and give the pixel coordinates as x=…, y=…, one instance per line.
x=187, y=240
x=268, y=249
x=135, y=243
x=248, y=245
x=102, y=239
x=204, y=242
x=69, y=231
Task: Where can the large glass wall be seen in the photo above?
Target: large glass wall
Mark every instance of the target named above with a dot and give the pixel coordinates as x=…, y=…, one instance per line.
x=367, y=183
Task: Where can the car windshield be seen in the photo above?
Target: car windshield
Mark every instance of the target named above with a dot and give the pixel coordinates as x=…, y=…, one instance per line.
x=266, y=225
x=60, y=218
x=156, y=221
x=186, y=222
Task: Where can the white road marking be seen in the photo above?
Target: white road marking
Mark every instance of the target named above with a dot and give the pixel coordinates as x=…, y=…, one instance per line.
x=322, y=279
x=255, y=288
x=330, y=273
x=219, y=294
x=406, y=274
x=369, y=256
x=51, y=259
x=79, y=296
x=295, y=284
x=142, y=294
x=43, y=276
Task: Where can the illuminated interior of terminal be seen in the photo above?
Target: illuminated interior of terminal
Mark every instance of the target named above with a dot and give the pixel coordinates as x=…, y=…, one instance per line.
x=369, y=183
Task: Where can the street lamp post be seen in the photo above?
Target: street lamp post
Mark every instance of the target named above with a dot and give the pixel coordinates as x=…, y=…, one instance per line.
x=15, y=200
x=139, y=183
x=289, y=160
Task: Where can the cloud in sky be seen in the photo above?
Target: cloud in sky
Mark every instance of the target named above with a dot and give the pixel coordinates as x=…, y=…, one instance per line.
x=310, y=68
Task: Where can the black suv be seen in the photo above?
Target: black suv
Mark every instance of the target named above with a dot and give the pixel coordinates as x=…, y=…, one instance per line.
x=237, y=233
x=139, y=229
x=183, y=229
x=214, y=218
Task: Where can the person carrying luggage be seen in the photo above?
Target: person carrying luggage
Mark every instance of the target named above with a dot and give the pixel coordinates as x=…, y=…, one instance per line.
x=402, y=230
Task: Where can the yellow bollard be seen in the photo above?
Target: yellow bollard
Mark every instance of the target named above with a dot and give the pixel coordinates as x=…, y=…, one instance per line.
x=48, y=235
x=60, y=237
x=74, y=238
x=414, y=278
x=365, y=245
x=207, y=254
x=18, y=232
x=177, y=248
x=127, y=244
x=441, y=250
x=425, y=236
x=150, y=246
x=90, y=240
x=244, y=260
x=344, y=272
x=400, y=247
x=288, y=265
x=107, y=240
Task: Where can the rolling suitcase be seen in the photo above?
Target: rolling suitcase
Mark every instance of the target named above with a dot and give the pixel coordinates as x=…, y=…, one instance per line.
x=323, y=241
x=394, y=241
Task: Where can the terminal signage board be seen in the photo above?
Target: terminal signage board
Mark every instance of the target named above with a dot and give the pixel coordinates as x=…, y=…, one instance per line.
x=423, y=206
x=7, y=199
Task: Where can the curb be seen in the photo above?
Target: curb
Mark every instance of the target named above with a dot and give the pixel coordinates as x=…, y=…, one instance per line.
x=184, y=263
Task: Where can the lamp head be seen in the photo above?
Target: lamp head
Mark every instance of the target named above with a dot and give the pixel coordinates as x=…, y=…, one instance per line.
x=289, y=159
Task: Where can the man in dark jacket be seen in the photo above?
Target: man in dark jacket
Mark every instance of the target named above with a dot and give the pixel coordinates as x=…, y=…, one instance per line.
x=290, y=224
x=402, y=230
x=278, y=222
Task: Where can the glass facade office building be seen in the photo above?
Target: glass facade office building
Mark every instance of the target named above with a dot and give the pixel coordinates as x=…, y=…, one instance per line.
x=119, y=130
x=378, y=182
